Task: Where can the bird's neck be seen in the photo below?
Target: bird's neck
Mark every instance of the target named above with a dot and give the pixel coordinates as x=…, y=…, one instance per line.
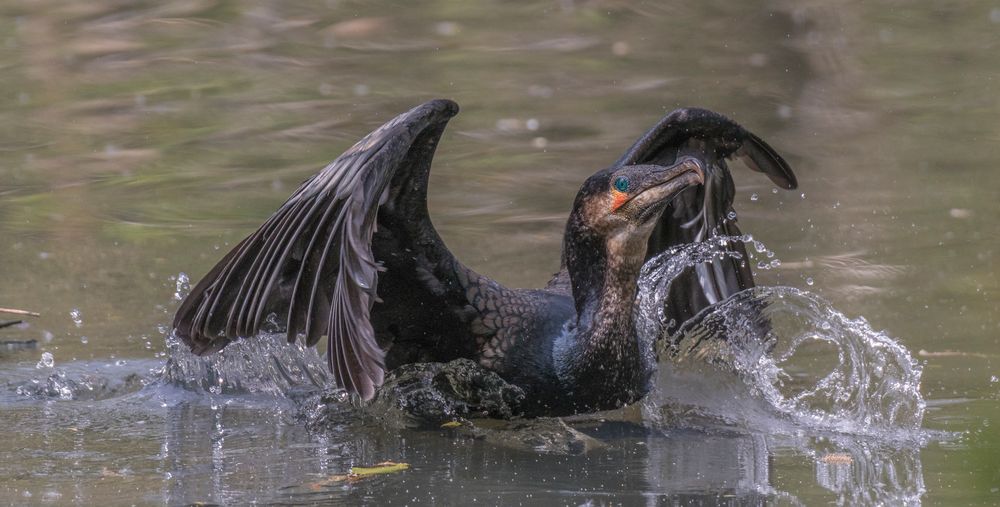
x=604, y=291
x=605, y=354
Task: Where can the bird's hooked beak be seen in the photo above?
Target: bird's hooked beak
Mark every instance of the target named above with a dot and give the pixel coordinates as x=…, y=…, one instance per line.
x=656, y=187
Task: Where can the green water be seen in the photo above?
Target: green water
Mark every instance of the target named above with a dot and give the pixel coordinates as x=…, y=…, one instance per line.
x=142, y=140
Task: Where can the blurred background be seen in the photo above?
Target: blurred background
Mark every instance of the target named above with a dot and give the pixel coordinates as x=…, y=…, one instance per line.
x=141, y=140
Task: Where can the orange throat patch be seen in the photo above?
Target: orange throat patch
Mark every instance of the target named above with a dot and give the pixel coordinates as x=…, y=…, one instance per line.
x=618, y=199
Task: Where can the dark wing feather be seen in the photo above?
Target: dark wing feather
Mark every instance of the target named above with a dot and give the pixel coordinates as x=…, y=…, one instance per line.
x=701, y=213
x=311, y=262
x=761, y=157
x=659, y=145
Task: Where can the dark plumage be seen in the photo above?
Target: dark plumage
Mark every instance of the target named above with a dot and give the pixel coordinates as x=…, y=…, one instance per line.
x=353, y=256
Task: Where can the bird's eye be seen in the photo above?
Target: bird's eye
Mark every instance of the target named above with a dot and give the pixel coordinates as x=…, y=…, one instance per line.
x=621, y=184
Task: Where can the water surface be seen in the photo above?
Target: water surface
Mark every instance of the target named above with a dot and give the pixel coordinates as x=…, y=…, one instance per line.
x=140, y=141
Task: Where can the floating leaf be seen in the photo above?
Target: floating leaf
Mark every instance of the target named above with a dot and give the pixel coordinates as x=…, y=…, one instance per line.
x=451, y=424
x=386, y=467
x=359, y=473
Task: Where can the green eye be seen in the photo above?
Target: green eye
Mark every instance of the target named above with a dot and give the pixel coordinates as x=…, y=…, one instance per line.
x=621, y=184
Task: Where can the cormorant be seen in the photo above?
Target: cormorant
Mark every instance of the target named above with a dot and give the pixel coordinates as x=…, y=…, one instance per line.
x=352, y=255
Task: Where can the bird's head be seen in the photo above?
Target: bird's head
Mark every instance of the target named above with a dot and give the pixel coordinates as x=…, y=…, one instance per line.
x=629, y=200
x=613, y=216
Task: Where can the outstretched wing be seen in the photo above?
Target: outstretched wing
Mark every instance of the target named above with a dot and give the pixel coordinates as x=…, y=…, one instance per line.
x=311, y=262
x=703, y=212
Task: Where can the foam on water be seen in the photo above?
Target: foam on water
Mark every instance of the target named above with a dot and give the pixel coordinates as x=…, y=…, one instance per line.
x=777, y=358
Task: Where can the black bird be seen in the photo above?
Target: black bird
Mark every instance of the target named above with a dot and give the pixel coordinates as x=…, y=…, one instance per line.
x=353, y=256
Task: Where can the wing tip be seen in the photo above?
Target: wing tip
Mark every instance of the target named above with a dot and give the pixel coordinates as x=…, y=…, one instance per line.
x=761, y=157
x=445, y=107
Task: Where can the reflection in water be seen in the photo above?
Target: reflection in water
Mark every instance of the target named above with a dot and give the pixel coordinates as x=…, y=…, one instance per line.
x=694, y=463
x=867, y=472
x=857, y=470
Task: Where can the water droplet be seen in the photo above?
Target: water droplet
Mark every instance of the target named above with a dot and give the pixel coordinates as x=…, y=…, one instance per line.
x=731, y=215
x=757, y=245
x=754, y=197
x=774, y=190
x=531, y=124
x=776, y=263
x=77, y=317
x=120, y=362
x=47, y=361
x=84, y=340
x=809, y=281
x=802, y=195
x=994, y=379
x=182, y=286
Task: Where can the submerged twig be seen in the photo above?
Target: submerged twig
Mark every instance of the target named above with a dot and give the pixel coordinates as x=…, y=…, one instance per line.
x=10, y=323
x=15, y=311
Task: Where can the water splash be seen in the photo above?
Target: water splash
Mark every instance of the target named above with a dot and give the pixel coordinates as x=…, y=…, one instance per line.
x=46, y=361
x=783, y=354
x=807, y=360
x=75, y=380
x=182, y=286
x=660, y=271
x=264, y=364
